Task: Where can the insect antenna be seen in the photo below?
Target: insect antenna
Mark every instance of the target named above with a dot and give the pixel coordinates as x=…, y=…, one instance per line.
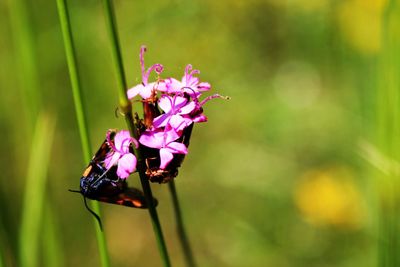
x=93, y=213
x=75, y=191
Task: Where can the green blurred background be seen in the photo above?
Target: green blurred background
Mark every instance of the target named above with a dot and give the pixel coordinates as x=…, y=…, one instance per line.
x=273, y=179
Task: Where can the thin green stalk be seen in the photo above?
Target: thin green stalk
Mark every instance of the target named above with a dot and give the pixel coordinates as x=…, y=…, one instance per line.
x=29, y=83
x=35, y=192
x=388, y=110
x=80, y=114
x=126, y=109
x=24, y=44
x=184, y=240
x=53, y=247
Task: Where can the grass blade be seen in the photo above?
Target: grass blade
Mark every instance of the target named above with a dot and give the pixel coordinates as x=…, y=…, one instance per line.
x=35, y=191
x=183, y=238
x=388, y=110
x=80, y=114
x=51, y=240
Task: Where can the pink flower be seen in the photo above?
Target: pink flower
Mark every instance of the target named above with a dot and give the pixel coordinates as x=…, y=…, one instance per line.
x=145, y=89
x=164, y=141
x=120, y=154
x=175, y=107
x=189, y=84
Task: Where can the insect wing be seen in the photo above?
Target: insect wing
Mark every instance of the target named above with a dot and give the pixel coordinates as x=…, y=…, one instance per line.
x=104, y=149
x=130, y=197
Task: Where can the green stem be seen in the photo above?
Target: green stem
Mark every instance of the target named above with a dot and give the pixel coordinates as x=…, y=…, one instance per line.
x=389, y=130
x=80, y=114
x=183, y=238
x=126, y=109
x=34, y=195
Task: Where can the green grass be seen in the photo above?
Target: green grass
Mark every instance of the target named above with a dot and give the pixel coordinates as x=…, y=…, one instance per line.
x=388, y=110
x=80, y=115
x=35, y=191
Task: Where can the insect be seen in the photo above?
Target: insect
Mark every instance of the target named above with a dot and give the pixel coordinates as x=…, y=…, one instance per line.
x=98, y=183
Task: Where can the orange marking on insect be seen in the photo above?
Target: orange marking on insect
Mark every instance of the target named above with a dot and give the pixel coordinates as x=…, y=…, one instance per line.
x=87, y=171
x=137, y=203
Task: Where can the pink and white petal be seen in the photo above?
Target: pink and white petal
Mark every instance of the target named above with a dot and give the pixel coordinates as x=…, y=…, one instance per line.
x=199, y=118
x=204, y=86
x=177, y=148
x=178, y=122
x=192, y=82
x=134, y=91
x=165, y=103
x=161, y=120
x=165, y=157
x=111, y=161
x=174, y=86
x=151, y=139
x=188, y=108
x=107, y=159
x=120, y=137
x=126, y=165
x=192, y=92
x=170, y=135
x=147, y=91
x=179, y=102
x=162, y=86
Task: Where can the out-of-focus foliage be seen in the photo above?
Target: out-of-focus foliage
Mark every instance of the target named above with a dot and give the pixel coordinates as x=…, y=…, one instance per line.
x=272, y=179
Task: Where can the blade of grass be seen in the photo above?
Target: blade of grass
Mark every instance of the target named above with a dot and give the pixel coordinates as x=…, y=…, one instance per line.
x=53, y=252
x=126, y=109
x=184, y=240
x=35, y=191
x=388, y=110
x=27, y=64
x=80, y=114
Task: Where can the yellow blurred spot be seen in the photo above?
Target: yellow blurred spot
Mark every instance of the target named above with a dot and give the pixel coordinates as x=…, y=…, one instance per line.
x=301, y=5
x=329, y=197
x=361, y=22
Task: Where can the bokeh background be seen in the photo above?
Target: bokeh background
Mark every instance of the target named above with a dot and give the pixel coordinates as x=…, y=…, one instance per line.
x=276, y=177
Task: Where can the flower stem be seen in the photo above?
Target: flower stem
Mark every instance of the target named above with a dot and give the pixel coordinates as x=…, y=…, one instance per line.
x=126, y=109
x=183, y=238
x=388, y=127
x=80, y=114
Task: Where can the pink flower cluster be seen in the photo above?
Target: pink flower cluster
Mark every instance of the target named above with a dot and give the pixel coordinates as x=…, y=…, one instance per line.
x=171, y=107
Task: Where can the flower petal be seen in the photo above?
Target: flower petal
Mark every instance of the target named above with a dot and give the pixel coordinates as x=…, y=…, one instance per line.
x=119, y=139
x=173, y=85
x=151, y=139
x=188, y=108
x=177, y=148
x=178, y=122
x=161, y=120
x=126, y=165
x=111, y=160
x=165, y=157
x=179, y=102
x=147, y=90
x=134, y=91
x=170, y=135
x=204, y=86
x=199, y=118
x=165, y=103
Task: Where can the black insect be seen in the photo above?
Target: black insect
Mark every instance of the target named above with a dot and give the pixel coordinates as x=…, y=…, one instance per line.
x=98, y=183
